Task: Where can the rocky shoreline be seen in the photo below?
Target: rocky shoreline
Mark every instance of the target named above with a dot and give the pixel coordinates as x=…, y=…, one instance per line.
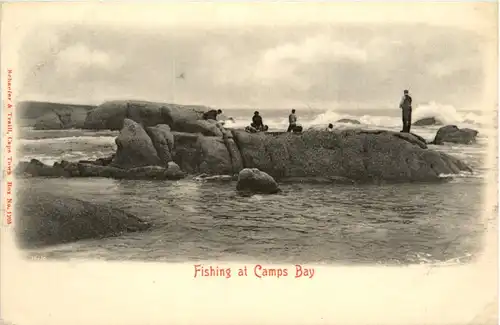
x=167, y=141
x=356, y=155
x=171, y=142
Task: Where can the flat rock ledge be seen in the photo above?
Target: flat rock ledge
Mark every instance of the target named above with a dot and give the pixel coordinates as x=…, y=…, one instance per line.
x=44, y=219
x=35, y=168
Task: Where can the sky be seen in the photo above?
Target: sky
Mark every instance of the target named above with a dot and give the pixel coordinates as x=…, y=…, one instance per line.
x=256, y=56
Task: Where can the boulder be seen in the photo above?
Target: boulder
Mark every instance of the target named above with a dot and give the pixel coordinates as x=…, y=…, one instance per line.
x=36, y=168
x=252, y=180
x=93, y=170
x=68, y=169
x=195, y=154
x=107, y=116
x=110, y=115
x=52, y=116
x=205, y=127
x=134, y=148
x=61, y=118
x=358, y=155
x=234, y=154
x=174, y=171
x=214, y=156
x=45, y=219
x=427, y=121
x=146, y=172
x=49, y=121
x=186, y=152
x=163, y=141
x=452, y=134
x=349, y=121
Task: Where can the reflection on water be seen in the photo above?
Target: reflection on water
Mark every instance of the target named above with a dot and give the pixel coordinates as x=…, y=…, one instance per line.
x=306, y=223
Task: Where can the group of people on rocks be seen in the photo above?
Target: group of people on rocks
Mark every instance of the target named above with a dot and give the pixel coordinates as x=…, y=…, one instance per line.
x=258, y=125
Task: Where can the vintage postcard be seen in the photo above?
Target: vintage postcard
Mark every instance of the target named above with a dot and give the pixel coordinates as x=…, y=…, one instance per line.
x=249, y=163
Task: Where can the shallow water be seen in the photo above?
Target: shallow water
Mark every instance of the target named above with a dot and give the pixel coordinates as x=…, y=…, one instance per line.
x=403, y=223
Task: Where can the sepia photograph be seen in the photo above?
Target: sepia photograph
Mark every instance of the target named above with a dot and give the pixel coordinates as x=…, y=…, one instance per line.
x=308, y=135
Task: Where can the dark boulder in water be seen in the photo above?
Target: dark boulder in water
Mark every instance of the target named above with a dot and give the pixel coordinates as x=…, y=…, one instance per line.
x=347, y=120
x=452, y=134
x=45, y=219
x=254, y=181
x=427, y=121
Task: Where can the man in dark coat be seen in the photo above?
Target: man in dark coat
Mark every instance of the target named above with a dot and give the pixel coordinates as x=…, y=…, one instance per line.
x=292, y=121
x=405, y=106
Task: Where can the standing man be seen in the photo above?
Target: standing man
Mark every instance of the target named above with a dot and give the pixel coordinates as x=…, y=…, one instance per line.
x=292, y=120
x=405, y=106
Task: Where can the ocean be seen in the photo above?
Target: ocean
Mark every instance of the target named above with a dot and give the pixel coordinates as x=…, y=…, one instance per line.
x=306, y=223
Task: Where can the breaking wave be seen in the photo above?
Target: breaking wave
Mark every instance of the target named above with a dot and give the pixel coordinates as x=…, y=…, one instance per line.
x=71, y=140
x=446, y=114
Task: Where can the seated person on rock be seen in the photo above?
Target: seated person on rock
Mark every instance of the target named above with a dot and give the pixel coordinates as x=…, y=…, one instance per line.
x=211, y=114
x=257, y=123
x=292, y=121
x=329, y=128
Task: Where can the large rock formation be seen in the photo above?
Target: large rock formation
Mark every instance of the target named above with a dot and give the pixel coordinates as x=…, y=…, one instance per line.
x=354, y=154
x=110, y=115
x=135, y=148
x=346, y=155
x=52, y=116
x=452, y=134
x=427, y=121
x=252, y=180
x=46, y=219
x=139, y=155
